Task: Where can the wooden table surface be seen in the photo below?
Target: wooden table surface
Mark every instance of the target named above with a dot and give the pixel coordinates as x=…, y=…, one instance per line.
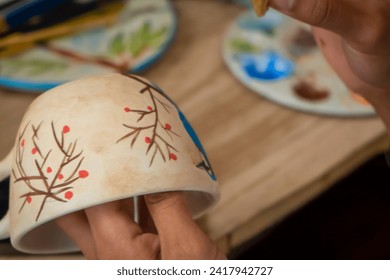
x=269, y=159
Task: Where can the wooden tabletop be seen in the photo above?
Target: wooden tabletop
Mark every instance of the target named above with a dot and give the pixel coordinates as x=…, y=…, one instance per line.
x=269, y=160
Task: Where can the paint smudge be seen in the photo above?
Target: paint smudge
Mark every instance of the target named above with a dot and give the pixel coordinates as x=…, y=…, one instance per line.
x=308, y=91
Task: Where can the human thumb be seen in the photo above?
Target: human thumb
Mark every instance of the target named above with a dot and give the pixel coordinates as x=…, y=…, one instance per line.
x=180, y=236
x=170, y=213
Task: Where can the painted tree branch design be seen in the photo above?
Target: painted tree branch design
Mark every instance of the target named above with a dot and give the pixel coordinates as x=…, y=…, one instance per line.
x=157, y=134
x=55, y=180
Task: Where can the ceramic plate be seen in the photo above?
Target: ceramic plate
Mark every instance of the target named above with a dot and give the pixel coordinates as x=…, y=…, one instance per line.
x=141, y=34
x=277, y=57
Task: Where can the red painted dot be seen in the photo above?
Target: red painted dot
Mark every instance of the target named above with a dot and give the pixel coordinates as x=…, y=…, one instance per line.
x=34, y=151
x=29, y=199
x=49, y=170
x=127, y=109
x=168, y=126
x=148, y=140
x=22, y=143
x=60, y=176
x=173, y=157
x=150, y=108
x=68, y=195
x=83, y=174
x=65, y=129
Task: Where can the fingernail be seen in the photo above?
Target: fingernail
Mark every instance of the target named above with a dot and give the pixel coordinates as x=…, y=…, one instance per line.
x=286, y=5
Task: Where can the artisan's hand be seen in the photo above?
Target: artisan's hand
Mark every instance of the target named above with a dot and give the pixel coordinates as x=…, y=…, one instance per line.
x=354, y=36
x=167, y=231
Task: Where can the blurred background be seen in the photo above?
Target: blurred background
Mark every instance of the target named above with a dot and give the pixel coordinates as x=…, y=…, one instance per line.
x=349, y=221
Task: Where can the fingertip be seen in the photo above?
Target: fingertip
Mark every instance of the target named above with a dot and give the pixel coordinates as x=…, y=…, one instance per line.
x=167, y=205
x=169, y=211
x=164, y=200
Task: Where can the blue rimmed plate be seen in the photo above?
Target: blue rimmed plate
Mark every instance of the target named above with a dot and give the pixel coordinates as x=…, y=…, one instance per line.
x=141, y=35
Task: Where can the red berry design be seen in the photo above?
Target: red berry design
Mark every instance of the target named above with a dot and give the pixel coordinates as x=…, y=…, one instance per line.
x=83, y=174
x=68, y=195
x=127, y=109
x=65, y=129
x=150, y=108
x=168, y=126
x=53, y=180
x=148, y=140
x=173, y=157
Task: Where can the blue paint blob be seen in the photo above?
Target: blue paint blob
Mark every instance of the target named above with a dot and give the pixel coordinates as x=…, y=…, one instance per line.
x=267, y=66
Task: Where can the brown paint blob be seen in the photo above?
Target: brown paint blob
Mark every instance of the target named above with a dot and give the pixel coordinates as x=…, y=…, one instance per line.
x=307, y=91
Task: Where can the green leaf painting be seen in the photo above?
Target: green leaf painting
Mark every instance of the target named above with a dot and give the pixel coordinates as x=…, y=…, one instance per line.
x=117, y=45
x=138, y=41
x=243, y=46
x=32, y=67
